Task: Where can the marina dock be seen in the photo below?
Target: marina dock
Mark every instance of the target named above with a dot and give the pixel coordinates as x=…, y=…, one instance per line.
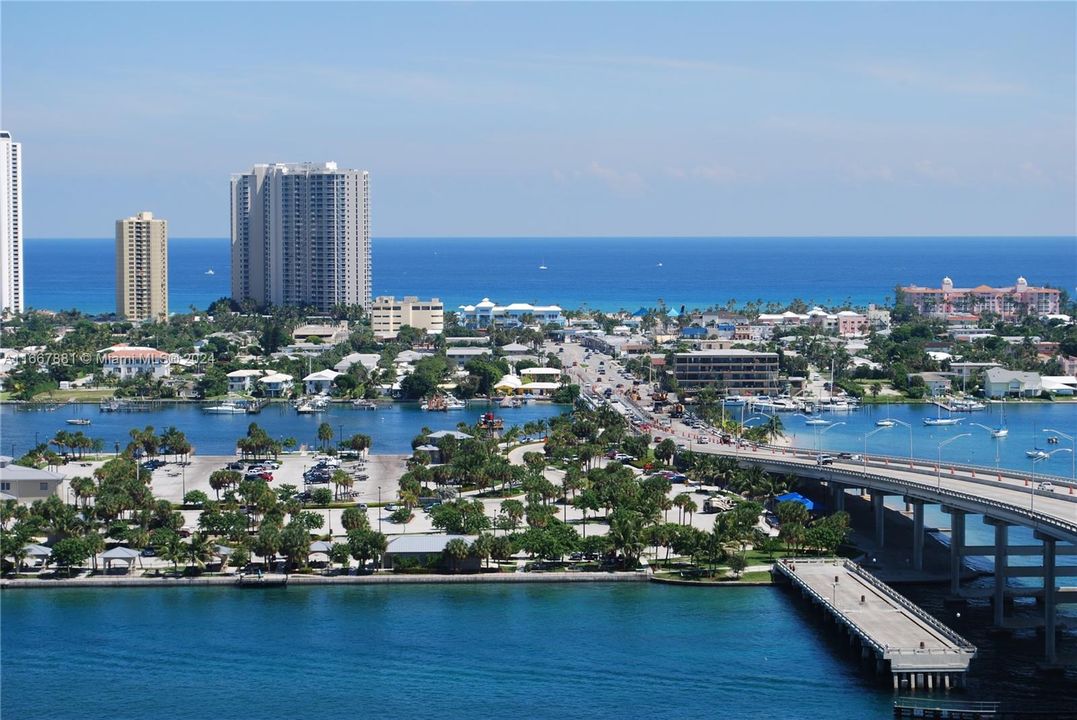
x=918, y=650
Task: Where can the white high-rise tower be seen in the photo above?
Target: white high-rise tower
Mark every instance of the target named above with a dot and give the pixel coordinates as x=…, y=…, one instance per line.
x=301, y=235
x=11, y=289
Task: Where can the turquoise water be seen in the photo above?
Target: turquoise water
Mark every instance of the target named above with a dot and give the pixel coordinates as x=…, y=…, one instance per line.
x=603, y=273
x=391, y=427
x=609, y=651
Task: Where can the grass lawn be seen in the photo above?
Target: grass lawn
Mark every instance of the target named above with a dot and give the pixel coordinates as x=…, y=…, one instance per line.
x=76, y=395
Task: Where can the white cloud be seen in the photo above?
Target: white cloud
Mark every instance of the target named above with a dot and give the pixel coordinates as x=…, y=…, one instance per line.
x=939, y=80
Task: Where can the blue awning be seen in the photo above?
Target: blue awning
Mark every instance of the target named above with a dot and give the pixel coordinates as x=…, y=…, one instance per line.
x=796, y=497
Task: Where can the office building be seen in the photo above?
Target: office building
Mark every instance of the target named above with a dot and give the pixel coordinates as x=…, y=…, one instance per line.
x=301, y=236
x=11, y=225
x=142, y=268
x=730, y=372
x=388, y=315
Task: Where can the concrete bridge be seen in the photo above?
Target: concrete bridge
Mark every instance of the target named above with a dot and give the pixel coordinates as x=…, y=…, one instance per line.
x=919, y=650
x=1004, y=497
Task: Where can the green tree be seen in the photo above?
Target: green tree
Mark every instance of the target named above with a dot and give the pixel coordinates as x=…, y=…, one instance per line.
x=456, y=550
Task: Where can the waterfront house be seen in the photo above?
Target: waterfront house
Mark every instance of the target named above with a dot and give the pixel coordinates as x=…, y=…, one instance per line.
x=936, y=383
x=320, y=382
x=242, y=381
x=1059, y=384
x=277, y=384
x=999, y=382
x=27, y=484
x=128, y=361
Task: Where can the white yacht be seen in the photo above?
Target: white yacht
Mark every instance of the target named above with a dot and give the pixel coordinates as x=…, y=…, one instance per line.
x=228, y=407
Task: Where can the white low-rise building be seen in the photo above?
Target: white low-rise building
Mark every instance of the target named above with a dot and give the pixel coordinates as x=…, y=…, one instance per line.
x=277, y=384
x=487, y=314
x=128, y=361
x=242, y=381
x=463, y=355
x=320, y=382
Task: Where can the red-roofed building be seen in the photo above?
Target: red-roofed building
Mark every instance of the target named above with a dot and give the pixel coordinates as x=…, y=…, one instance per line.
x=129, y=361
x=1006, y=302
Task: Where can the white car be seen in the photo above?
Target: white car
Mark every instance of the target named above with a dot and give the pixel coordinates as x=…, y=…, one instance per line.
x=1046, y=487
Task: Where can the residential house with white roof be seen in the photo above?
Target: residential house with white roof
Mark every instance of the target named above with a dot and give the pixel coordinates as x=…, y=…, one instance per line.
x=320, y=382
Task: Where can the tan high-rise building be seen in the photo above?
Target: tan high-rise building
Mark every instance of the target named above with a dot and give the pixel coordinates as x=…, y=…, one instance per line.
x=142, y=268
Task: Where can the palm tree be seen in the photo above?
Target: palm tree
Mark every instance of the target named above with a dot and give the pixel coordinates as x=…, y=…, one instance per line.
x=455, y=551
x=680, y=501
x=689, y=509
x=325, y=434
x=200, y=550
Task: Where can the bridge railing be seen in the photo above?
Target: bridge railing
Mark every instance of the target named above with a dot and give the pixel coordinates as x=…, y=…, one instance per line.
x=929, y=466
x=1035, y=520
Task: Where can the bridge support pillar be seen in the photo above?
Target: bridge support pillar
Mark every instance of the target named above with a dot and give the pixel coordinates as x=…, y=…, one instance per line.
x=957, y=544
x=1050, y=598
x=917, y=532
x=837, y=497
x=1002, y=536
x=879, y=511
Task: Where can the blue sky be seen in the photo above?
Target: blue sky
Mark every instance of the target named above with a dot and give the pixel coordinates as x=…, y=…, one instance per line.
x=555, y=119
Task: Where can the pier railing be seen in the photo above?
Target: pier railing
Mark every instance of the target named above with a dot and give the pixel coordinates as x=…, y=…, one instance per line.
x=924, y=616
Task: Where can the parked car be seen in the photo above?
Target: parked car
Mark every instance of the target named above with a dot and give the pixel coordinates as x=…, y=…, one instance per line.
x=235, y=466
x=361, y=506
x=390, y=507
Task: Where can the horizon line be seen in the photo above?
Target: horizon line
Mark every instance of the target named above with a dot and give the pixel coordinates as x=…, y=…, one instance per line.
x=636, y=237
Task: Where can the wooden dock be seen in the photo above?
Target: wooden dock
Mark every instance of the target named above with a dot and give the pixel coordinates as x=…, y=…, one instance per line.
x=917, y=649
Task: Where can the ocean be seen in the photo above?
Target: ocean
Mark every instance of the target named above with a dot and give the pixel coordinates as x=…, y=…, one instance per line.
x=600, y=273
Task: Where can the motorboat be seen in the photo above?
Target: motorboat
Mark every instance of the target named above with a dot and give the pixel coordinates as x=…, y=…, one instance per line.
x=228, y=407
x=1037, y=454
x=364, y=404
x=510, y=402
x=442, y=403
x=734, y=400
x=966, y=406
x=78, y=421
x=816, y=421
x=885, y=422
x=1001, y=432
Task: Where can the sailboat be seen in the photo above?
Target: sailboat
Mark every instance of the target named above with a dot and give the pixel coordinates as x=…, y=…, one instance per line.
x=210, y=272
x=1001, y=431
x=940, y=420
x=543, y=265
x=886, y=421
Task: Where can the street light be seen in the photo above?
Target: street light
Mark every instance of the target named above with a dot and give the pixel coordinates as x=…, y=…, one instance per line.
x=909, y=427
x=1073, y=452
x=992, y=431
x=821, y=432
x=381, y=510
x=938, y=466
x=1041, y=458
x=866, y=436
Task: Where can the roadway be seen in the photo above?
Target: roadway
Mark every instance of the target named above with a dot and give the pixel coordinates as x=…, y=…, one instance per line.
x=1006, y=495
